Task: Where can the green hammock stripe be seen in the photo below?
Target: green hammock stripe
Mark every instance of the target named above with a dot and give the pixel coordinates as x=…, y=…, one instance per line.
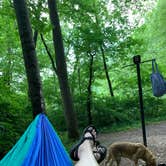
x=16, y=155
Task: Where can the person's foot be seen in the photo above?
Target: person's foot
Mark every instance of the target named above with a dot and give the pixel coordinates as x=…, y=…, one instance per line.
x=89, y=133
x=99, y=152
x=92, y=130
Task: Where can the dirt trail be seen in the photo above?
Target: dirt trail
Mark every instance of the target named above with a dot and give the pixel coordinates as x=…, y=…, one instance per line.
x=156, y=139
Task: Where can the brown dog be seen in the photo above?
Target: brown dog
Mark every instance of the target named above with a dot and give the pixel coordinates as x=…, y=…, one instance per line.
x=133, y=151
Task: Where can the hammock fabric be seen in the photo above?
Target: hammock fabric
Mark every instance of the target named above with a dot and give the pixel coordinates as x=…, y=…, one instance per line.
x=38, y=146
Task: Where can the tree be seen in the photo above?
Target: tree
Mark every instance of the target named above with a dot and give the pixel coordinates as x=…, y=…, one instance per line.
x=106, y=71
x=155, y=30
x=62, y=71
x=29, y=55
x=89, y=88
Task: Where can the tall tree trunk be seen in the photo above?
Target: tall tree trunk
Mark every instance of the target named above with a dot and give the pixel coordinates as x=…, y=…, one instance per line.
x=62, y=71
x=29, y=55
x=89, y=97
x=106, y=71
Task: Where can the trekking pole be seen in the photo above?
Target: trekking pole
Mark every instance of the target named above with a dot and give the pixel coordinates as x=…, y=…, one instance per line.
x=137, y=61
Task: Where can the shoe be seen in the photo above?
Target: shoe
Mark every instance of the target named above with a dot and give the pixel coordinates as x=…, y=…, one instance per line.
x=100, y=152
x=93, y=132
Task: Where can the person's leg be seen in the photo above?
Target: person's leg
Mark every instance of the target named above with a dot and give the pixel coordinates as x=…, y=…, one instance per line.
x=85, y=153
x=88, y=151
x=89, y=134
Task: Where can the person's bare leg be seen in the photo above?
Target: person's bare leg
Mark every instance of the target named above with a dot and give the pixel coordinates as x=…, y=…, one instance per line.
x=85, y=154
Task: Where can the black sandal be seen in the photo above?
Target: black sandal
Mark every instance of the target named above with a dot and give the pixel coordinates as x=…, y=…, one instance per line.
x=90, y=130
x=101, y=151
x=74, y=150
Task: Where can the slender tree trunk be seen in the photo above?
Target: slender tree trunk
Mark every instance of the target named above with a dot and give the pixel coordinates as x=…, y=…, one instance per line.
x=106, y=72
x=89, y=88
x=29, y=55
x=7, y=73
x=73, y=78
x=104, y=61
x=62, y=71
x=79, y=75
x=79, y=81
x=49, y=54
x=35, y=37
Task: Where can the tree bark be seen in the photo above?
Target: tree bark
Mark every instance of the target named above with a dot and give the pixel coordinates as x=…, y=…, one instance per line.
x=29, y=56
x=62, y=71
x=106, y=72
x=89, y=88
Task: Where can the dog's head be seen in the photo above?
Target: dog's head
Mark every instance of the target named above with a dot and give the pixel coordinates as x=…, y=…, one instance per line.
x=152, y=162
x=150, y=158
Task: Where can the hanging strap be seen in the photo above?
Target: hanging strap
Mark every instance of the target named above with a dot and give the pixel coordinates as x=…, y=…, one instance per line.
x=154, y=66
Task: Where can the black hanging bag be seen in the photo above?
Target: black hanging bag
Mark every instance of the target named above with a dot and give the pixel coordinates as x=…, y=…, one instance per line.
x=157, y=80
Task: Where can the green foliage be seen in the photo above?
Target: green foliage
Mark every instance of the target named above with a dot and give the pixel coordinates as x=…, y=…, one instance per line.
x=15, y=114
x=86, y=25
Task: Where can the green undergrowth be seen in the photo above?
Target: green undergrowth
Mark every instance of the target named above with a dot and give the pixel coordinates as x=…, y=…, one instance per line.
x=135, y=125
x=108, y=115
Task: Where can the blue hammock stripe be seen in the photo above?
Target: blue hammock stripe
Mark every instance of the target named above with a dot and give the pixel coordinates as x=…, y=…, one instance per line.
x=39, y=146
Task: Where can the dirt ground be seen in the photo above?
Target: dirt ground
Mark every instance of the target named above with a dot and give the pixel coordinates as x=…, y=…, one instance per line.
x=156, y=140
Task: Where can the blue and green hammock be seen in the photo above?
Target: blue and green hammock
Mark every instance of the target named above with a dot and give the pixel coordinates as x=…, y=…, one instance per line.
x=38, y=146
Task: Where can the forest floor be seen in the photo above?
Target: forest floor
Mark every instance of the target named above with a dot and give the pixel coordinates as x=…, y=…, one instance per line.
x=156, y=140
